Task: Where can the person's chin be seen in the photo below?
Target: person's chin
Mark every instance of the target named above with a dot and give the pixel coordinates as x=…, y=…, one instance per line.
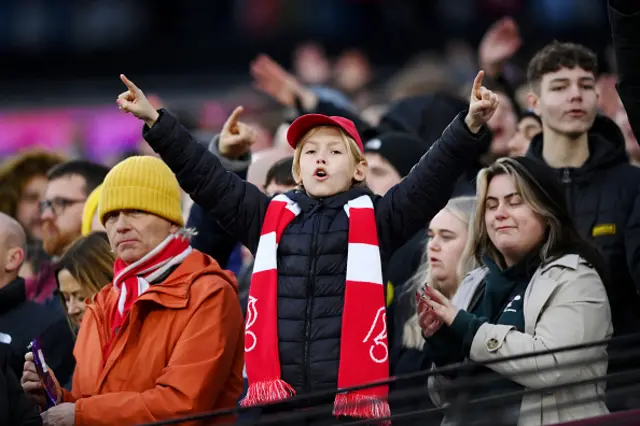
x=51, y=245
x=507, y=244
x=128, y=254
x=319, y=190
x=577, y=128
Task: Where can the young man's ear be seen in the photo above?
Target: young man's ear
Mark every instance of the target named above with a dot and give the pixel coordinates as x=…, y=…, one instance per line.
x=360, y=172
x=534, y=102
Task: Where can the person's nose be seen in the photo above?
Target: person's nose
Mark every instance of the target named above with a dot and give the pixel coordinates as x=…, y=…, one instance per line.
x=501, y=212
x=122, y=225
x=575, y=93
x=434, y=244
x=46, y=213
x=75, y=307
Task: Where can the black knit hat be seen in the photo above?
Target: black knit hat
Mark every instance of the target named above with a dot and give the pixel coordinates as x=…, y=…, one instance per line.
x=402, y=150
x=545, y=181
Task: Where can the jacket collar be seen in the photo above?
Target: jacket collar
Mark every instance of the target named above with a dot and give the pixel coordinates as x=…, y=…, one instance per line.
x=570, y=261
x=173, y=291
x=12, y=295
x=338, y=201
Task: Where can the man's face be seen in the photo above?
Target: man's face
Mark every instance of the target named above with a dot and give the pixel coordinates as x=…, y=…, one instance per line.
x=503, y=125
x=567, y=101
x=381, y=176
x=528, y=127
x=133, y=233
x=28, y=213
x=61, y=213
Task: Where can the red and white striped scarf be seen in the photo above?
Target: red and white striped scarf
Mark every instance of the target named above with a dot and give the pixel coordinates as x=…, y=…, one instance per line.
x=133, y=280
x=364, y=350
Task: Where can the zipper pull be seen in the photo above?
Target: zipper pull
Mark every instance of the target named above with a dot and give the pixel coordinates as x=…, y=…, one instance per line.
x=566, y=177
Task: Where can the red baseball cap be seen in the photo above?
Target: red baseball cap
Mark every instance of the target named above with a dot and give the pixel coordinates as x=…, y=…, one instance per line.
x=303, y=124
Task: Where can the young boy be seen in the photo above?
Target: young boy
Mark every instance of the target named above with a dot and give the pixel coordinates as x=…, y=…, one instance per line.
x=316, y=315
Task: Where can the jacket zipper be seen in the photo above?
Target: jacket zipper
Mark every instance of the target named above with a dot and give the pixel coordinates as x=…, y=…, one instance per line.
x=309, y=306
x=567, y=182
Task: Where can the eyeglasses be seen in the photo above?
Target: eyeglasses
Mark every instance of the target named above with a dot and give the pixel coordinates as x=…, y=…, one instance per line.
x=58, y=205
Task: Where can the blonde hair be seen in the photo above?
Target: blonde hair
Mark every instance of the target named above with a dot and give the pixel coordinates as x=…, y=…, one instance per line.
x=353, y=151
x=462, y=208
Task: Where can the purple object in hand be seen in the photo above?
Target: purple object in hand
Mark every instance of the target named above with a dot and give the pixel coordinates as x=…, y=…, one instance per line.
x=48, y=383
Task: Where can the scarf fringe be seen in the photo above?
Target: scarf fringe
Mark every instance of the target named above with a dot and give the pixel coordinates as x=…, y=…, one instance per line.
x=267, y=391
x=360, y=406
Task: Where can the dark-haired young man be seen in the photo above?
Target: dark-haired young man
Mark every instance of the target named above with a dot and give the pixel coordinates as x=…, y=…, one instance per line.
x=588, y=153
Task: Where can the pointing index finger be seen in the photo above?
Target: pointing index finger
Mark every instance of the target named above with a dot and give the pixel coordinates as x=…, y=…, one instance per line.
x=129, y=83
x=477, y=84
x=232, y=121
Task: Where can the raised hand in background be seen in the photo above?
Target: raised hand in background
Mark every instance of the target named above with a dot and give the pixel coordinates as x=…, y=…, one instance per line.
x=501, y=41
x=236, y=137
x=273, y=80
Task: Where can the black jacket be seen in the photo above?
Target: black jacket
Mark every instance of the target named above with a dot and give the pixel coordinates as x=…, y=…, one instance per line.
x=22, y=320
x=604, y=198
x=625, y=25
x=16, y=409
x=312, y=254
x=210, y=237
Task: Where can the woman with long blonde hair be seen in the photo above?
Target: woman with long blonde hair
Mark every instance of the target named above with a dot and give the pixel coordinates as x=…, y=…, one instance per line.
x=442, y=266
x=444, y=263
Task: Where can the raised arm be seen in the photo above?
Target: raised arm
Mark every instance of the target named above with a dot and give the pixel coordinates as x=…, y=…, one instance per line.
x=273, y=80
x=238, y=206
x=211, y=238
x=412, y=203
x=625, y=26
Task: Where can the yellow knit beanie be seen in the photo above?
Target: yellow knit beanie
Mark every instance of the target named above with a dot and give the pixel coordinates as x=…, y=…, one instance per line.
x=90, y=208
x=142, y=183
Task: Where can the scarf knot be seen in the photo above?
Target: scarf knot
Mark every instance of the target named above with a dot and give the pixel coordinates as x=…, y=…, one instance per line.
x=364, y=349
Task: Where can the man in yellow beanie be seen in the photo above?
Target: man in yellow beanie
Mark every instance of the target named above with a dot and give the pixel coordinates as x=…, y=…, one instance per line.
x=165, y=339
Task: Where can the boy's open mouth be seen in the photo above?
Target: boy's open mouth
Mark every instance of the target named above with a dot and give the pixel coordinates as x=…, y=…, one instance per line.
x=320, y=174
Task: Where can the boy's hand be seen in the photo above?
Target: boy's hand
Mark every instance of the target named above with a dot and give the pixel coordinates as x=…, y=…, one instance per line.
x=236, y=137
x=135, y=102
x=482, y=105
